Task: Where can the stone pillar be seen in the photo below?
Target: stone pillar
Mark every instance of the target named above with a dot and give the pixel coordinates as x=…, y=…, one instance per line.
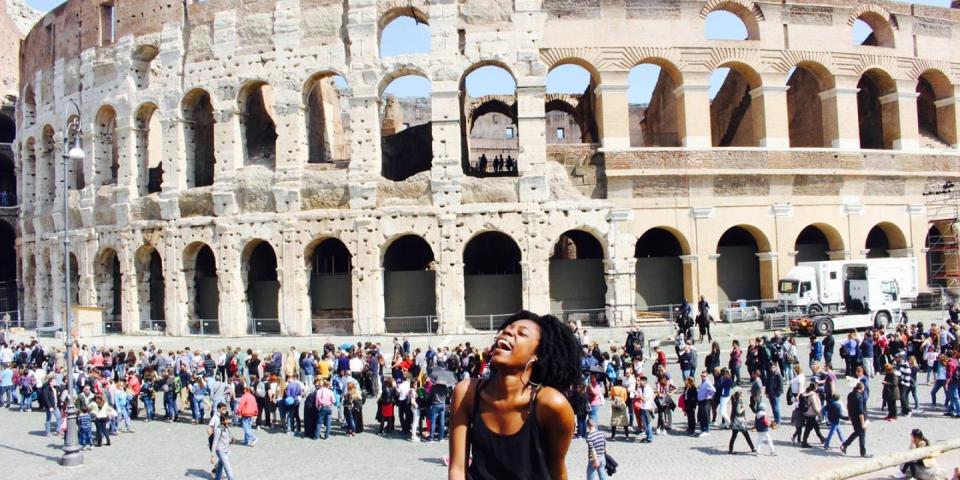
x=130, y=293
x=367, y=279
x=613, y=114
x=174, y=287
x=531, y=123
x=948, y=120
x=707, y=280
x=768, y=274
x=228, y=150
x=294, y=287
x=451, y=306
x=42, y=289
x=363, y=172
x=693, y=107
x=233, y=316
x=125, y=136
x=620, y=271
x=840, y=116
x=906, y=99
x=447, y=171
x=770, y=118
x=291, y=154
x=691, y=289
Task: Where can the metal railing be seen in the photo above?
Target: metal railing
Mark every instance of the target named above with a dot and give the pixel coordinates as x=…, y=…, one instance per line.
x=414, y=324
x=588, y=317
x=331, y=326
x=11, y=319
x=264, y=326
x=157, y=326
x=203, y=326
x=112, y=326
x=486, y=323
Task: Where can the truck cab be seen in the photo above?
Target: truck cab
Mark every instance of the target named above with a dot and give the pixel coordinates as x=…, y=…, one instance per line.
x=797, y=289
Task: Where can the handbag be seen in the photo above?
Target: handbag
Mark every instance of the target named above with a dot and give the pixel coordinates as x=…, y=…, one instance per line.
x=738, y=424
x=611, y=464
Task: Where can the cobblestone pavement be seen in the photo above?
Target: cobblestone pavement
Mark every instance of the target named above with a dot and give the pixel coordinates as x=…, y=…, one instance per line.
x=161, y=450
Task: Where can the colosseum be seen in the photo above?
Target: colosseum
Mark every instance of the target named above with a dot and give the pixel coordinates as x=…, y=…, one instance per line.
x=247, y=169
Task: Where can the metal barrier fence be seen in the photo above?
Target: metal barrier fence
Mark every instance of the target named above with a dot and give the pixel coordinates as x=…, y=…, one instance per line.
x=264, y=326
x=486, y=323
x=112, y=326
x=417, y=324
x=331, y=326
x=156, y=326
x=11, y=319
x=204, y=327
x=586, y=317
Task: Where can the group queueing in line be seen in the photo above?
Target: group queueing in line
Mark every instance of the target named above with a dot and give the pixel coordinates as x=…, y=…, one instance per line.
x=300, y=393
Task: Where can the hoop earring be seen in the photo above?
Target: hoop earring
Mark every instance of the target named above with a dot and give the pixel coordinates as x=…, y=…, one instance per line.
x=529, y=378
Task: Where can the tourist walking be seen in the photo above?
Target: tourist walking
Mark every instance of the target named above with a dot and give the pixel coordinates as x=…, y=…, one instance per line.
x=220, y=449
x=738, y=425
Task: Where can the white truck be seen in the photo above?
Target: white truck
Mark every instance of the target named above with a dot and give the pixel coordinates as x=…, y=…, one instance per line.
x=848, y=294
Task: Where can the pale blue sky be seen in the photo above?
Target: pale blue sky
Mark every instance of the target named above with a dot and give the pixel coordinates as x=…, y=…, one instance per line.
x=404, y=35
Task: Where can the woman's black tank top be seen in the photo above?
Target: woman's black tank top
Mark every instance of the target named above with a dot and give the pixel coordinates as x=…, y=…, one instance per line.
x=506, y=457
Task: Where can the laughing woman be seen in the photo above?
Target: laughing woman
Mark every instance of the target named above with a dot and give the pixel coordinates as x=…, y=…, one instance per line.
x=517, y=423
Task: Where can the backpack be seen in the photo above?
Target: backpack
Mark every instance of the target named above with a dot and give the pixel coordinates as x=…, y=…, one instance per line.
x=261, y=390
x=955, y=378
x=618, y=403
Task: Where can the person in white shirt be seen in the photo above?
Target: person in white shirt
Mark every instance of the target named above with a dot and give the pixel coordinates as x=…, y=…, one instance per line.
x=796, y=383
x=404, y=404
x=630, y=383
x=648, y=407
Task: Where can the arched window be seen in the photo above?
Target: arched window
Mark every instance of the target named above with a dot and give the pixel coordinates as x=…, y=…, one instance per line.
x=203, y=287
x=151, y=287
x=406, y=139
x=409, y=286
x=872, y=29
x=806, y=112
x=198, y=138
x=331, y=300
x=492, y=279
x=735, y=119
x=879, y=120
x=258, y=125
x=29, y=104
x=654, y=107
x=491, y=138
x=106, y=153
x=404, y=31
x=326, y=120
x=731, y=21
x=660, y=278
x=577, y=284
x=569, y=106
x=262, y=288
x=936, y=113
x=149, y=153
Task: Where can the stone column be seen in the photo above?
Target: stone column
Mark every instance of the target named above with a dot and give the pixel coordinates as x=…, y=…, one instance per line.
x=535, y=264
x=364, y=169
x=948, y=120
x=707, y=281
x=125, y=136
x=620, y=271
x=693, y=107
x=770, y=118
x=531, y=123
x=451, y=306
x=174, y=287
x=840, y=115
x=768, y=274
x=233, y=316
x=691, y=289
x=42, y=289
x=906, y=110
x=447, y=171
x=130, y=293
x=228, y=150
x=296, y=320
x=367, y=279
x=291, y=154
x=612, y=110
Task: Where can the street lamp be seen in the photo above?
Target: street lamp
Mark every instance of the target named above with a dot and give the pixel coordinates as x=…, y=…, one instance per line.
x=71, y=447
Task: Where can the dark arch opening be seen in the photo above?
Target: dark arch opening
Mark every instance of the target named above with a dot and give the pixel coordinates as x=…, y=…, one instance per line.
x=879, y=125
x=577, y=284
x=878, y=243
x=152, y=316
x=409, y=286
x=738, y=267
x=258, y=125
x=492, y=280
x=8, y=271
x=206, y=294
x=263, y=290
x=198, y=138
x=8, y=182
x=331, y=298
x=812, y=245
x=659, y=270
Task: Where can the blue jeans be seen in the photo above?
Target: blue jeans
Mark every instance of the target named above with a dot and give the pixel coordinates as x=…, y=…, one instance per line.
x=323, y=418
x=170, y=406
x=834, y=428
x=775, y=406
x=597, y=472
x=647, y=419
x=954, y=390
x=595, y=415
x=248, y=436
x=6, y=393
x=937, y=386
x=148, y=406
x=54, y=418
x=85, y=437
x=197, y=408
x=351, y=422
x=26, y=401
x=582, y=426
x=438, y=413
x=123, y=417
x=223, y=467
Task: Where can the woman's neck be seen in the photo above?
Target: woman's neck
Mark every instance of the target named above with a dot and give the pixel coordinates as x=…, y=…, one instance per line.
x=507, y=384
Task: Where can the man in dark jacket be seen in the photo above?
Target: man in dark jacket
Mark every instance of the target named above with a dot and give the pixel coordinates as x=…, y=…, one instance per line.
x=49, y=400
x=774, y=391
x=828, y=344
x=856, y=409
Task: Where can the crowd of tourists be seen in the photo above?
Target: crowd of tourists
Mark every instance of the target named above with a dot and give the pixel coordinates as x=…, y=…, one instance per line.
x=303, y=392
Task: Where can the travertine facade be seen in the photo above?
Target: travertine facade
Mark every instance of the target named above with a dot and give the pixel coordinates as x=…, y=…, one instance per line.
x=200, y=198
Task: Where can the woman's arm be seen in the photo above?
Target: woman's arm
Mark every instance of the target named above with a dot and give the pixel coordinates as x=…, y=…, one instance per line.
x=459, y=424
x=556, y=418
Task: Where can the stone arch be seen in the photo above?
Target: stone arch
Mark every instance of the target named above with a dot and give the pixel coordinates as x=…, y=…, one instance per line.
x=106, y=148
x=577, y=279
x=941, y=259
x=326, y=133
x=661, y=117
x=198, y=137
x=409, y=284
x=883, y=239
x=149, y=148
x=936, y=108
x=492, y=275
x=329, y=269
x=818, y=242
x=258, y=127
x=406, y=145
x=29, y=106
x=109, y=289
x=747, y=11
x=396, y=13
x=567, y=117
x=662, y=279
x=879, y=117
x=46, y=179
x=141, y=58
x=203, y=289
x=736, y=120
x=151, y=287
x=741, y=275
x=483, y=133
x=812, y=120
x=584, y=116
x=28, y=155
x=880, y=21
x=8, y=181
x=262, y=282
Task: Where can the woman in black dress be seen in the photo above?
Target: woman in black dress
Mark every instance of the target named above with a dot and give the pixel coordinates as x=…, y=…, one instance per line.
x=310, y=414
x=517, y=424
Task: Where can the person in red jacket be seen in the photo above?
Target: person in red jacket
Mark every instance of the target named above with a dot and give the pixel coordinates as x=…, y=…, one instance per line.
x=248, y=412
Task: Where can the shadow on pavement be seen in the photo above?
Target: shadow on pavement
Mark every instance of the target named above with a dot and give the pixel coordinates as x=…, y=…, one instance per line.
x=35, y=454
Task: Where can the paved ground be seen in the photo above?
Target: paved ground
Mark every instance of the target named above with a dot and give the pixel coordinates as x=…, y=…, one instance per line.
x=161, y=450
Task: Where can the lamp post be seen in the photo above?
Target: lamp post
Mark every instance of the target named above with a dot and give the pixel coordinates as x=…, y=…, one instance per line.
x=71, y=447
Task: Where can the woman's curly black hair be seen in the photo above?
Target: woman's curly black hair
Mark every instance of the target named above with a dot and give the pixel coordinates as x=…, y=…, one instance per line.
x=558, y=353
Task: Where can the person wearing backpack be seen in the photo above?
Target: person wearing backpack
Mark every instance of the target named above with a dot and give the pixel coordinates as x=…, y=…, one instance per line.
x=618, y=409
x=834, y=414
x=953, y=387
x=762, y=423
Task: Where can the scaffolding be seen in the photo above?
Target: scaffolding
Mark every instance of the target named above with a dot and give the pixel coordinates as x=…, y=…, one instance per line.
x=943, y=249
